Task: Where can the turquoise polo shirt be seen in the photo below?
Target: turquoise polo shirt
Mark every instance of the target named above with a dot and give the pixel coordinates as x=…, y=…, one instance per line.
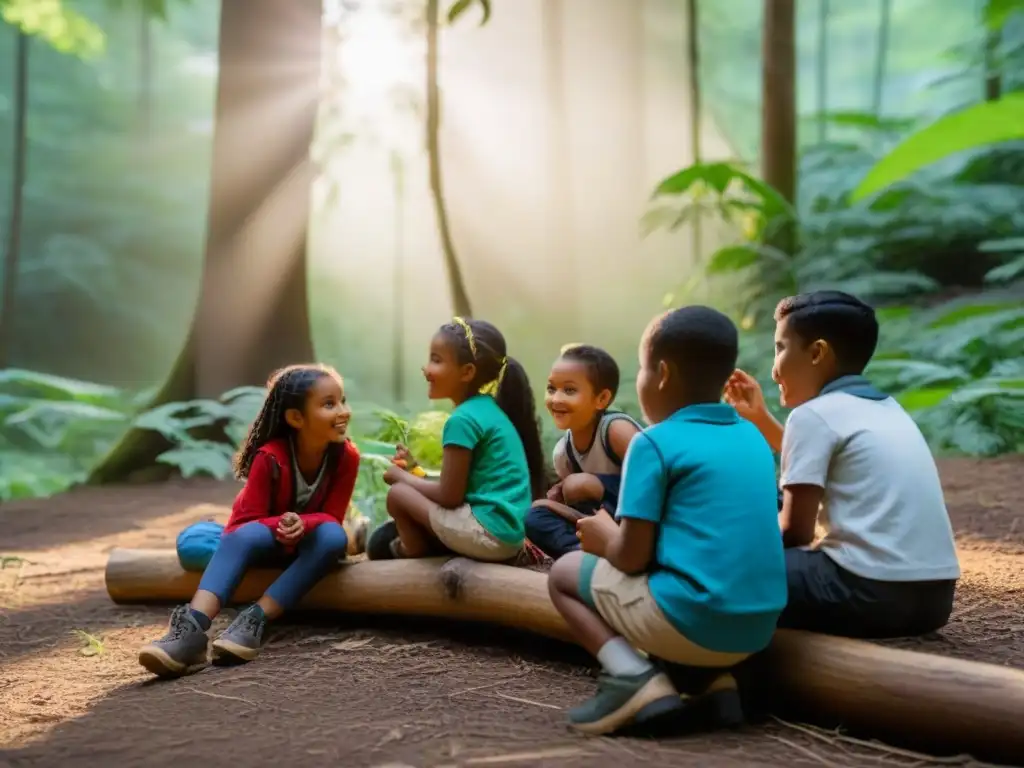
x=706, y=476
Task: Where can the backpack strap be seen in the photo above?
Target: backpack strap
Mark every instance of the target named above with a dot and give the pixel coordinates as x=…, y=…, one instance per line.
x=570, y=453
x=606, y=423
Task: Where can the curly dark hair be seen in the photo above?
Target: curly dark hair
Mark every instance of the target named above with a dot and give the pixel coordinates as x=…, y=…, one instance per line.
x=514, y=396
x=287, y=388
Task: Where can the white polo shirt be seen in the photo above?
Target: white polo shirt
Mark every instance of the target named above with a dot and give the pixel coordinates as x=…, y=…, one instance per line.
x=883, y=510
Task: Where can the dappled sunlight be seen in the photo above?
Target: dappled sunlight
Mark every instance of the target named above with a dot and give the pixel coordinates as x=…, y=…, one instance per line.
x=555, y=127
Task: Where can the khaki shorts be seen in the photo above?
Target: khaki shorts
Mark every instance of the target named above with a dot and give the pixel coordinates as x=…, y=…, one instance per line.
x=460, y=531
x=626, y=604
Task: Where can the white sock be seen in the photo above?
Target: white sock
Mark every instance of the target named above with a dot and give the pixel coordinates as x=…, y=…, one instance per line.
x=620, y=659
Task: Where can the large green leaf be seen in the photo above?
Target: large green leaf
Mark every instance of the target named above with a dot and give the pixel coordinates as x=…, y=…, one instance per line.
x=978, y=126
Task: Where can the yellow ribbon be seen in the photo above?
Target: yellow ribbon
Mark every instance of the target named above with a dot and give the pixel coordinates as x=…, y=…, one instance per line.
x=469, y=334
x=492, y=387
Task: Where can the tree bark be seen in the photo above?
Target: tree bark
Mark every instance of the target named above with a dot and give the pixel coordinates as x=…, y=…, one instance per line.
x=145, y=75
x=778, y=97
x=456, y=283
x=992, y=70
x=561, y=205
x=822, y=75
x=881, y=58
x=252, y=315
x=12, y=255
x=696, y=113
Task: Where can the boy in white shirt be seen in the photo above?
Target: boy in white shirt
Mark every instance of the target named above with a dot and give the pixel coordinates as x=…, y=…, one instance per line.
x=853, y=460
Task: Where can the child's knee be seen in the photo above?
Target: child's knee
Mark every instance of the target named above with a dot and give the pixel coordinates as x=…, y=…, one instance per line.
x=582, y=487
x=564, y=575
x=247, y=537
x=330, y=538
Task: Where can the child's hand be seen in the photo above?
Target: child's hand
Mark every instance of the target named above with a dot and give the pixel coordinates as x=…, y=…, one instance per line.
x=394, y=474
x=596, y=532
x=403, y=458
x=290, y=529
x=555, y=494
x=744, y=394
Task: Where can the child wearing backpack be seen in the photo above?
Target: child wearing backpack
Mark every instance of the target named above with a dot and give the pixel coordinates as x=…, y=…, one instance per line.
x=300, y=470
x=492, y=464
x=588, y=458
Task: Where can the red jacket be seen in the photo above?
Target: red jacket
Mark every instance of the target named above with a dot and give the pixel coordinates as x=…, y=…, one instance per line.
x=269, y=490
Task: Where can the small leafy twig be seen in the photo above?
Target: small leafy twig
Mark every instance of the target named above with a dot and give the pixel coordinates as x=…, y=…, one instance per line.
x=92, y=645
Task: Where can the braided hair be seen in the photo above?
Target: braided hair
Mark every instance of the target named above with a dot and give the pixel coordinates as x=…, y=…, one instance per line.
x=287, y=388
x=484, y=347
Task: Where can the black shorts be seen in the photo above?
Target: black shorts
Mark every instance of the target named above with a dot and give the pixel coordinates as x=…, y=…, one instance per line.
x=826, y=598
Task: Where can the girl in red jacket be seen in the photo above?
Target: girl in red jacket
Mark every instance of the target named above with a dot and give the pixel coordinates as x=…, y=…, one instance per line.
x=299, y=470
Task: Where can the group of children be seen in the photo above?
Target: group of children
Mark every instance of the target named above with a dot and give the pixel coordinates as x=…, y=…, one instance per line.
x=672, y=545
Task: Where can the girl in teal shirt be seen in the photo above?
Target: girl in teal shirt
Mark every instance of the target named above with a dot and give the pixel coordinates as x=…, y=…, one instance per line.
x=493, y=464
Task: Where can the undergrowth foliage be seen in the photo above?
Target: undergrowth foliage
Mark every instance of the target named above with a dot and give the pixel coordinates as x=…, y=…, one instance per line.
x=53, y=430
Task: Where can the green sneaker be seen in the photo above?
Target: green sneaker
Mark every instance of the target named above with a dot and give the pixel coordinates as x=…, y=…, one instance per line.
x=621, y=701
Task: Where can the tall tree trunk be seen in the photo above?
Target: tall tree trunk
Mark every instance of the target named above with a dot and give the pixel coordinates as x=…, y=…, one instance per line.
x=778, y=97
x=145, y=74
x=12, y=254
x=561, y=208
x=824, y=11
x=252, y=315
x=881, y=58
x=398, y=284
x=992, y=70
x=456, y=284
x=696, y=114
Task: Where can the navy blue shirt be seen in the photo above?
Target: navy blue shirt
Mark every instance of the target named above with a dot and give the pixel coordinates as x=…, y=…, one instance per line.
x=707, y=478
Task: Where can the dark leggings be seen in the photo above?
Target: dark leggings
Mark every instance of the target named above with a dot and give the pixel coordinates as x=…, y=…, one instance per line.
x=253, y=545
x=826, y=598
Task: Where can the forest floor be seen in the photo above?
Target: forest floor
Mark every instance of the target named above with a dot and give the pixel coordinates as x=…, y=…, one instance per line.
x=388, y=693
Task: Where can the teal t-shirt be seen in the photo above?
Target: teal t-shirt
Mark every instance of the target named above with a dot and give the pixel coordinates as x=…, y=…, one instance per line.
x=707, y=478
x=498, y=488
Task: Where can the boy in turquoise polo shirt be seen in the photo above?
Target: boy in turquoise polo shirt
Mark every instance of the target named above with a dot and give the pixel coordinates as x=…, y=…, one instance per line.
x=695, y=573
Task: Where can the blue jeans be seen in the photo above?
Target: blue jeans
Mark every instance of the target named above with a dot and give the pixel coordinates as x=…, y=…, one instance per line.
x=253, y=546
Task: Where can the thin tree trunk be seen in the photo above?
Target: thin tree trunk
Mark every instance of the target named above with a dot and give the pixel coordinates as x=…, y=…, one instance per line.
x=992, y=70
x=145, y=74
x=12, y=256
x=252, y=315
x=398, y=285
x=696, y=112
x=456, y=284
x=561, y=205
x=824, y=11
x=778, y=97
x=881, y=59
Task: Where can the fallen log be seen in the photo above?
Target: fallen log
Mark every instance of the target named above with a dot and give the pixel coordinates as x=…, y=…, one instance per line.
x=946, y=703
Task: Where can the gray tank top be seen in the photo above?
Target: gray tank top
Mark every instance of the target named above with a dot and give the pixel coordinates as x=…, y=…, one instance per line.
x=599, y=459
x=304, y=491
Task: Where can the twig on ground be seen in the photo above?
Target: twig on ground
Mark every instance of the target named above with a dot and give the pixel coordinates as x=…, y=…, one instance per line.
x=831, y=737
x=481, y=687
x=807, y=752
x=219, y=695
x=520, y=757
x=505, y=696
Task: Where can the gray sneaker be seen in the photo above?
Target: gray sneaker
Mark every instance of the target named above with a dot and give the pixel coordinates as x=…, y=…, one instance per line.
x=241, y=641
x=179, y=652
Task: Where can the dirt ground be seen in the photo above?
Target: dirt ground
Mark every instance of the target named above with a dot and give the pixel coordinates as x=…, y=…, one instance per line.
x=386, y=693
